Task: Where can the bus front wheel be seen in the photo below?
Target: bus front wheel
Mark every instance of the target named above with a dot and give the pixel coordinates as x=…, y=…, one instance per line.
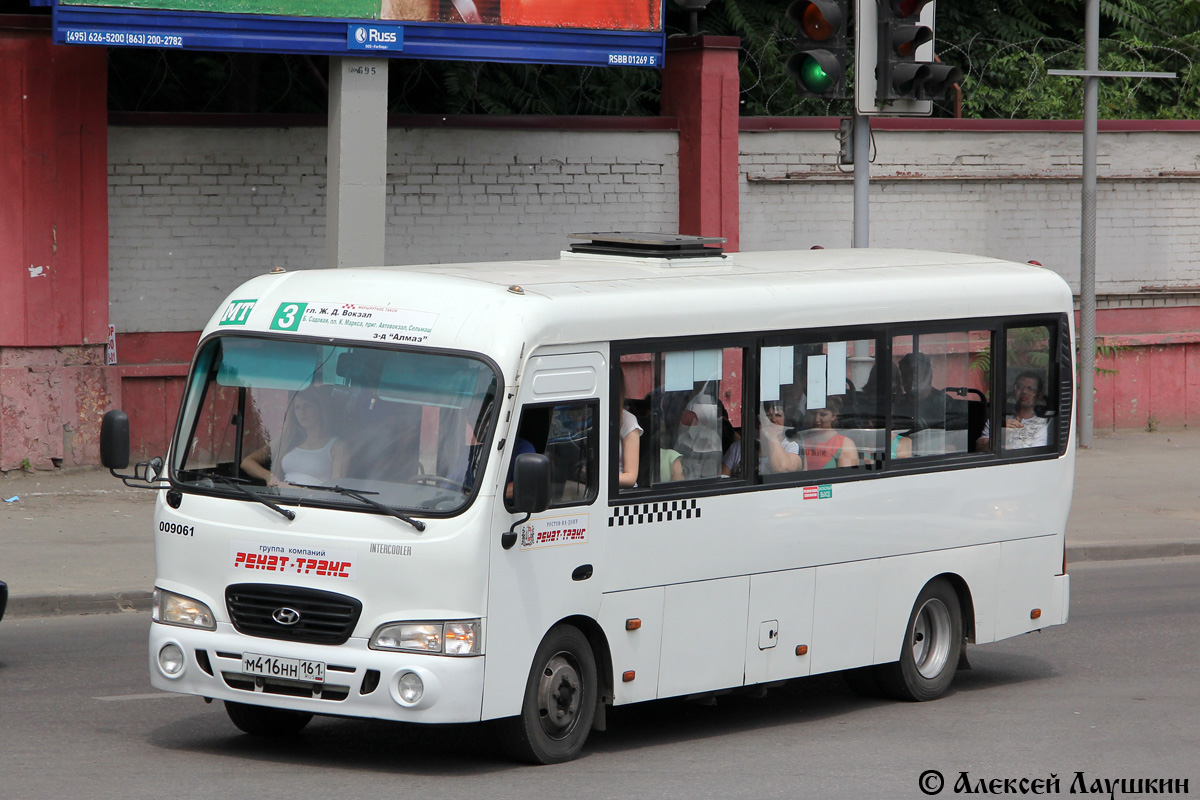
x=932, y=642
x=560, y=701
x=263, y=721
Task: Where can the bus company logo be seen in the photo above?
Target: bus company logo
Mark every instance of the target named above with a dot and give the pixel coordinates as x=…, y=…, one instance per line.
x=360, y=35
x=237, y=312
x=823, y=492
x=554, y=532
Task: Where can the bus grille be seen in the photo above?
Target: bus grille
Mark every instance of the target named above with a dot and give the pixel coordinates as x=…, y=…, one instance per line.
x=325, y=617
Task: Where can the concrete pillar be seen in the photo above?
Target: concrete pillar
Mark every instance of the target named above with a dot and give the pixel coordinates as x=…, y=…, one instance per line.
x=356, y=204
x=701, y=90
x=53, y=247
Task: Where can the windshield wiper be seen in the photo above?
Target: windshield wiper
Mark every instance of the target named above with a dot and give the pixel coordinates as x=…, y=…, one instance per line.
x=237, y=486
x=362, y=497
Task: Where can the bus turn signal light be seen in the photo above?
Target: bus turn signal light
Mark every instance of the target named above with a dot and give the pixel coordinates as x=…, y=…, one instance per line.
x=633, y=624
x=628, y=675
x=801, y=649
x=1035, y=614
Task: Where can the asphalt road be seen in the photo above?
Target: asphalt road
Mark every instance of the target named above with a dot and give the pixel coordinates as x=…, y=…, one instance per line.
x=1113, y=694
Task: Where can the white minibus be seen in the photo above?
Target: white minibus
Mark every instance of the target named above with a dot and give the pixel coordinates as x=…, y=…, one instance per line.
x=526, y=491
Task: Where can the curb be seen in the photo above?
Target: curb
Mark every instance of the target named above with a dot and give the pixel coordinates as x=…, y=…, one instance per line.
x=1125, y=552
x=56, y=605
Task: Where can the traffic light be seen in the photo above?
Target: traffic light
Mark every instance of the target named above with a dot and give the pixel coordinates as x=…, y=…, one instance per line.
x=900, y=76
x=819, y=64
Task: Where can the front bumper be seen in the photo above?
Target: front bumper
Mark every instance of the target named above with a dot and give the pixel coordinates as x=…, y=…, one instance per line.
x=359, y=682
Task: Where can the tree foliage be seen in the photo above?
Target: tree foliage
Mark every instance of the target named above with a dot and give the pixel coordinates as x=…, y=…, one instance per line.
x=1004, y=49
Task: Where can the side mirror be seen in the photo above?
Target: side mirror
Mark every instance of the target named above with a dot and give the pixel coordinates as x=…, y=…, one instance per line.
x=114, y=440
x=531, y=491
x=531, y=483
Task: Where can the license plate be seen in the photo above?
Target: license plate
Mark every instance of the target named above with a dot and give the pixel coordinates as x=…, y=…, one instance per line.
x=296, y=669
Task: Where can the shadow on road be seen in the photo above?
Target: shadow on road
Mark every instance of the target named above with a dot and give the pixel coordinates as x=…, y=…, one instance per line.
x=433, y=750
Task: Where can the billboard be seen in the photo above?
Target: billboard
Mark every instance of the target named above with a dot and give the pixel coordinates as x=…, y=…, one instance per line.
x=621, y=15
x=586, y=32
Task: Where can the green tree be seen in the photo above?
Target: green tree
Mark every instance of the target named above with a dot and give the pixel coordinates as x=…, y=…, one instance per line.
x=1004, y=50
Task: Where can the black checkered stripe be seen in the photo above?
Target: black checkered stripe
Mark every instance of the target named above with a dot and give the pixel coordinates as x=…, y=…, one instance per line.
x=644, y=513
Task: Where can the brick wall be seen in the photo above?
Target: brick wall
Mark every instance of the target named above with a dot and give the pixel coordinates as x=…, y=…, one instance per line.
x=195, y=211
x=1011, y=195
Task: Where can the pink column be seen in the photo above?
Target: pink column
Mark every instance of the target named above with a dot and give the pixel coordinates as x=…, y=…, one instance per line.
x=701, y=90
x=53, y=247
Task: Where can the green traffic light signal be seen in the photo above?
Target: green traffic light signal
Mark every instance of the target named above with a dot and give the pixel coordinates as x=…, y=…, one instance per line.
x=813, y=77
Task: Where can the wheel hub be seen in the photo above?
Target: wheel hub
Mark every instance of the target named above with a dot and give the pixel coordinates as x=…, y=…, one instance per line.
x=559, y=696
x=931, y=643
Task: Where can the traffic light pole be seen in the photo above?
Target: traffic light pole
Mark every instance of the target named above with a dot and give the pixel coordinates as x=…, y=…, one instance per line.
x=1087, y=228
x=1086, y=401
x=861, y=143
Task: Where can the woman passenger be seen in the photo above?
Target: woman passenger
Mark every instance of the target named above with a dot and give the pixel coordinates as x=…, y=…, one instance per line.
x=824, y=447
x=779, y=453
x=628, y=446
x=311, y=453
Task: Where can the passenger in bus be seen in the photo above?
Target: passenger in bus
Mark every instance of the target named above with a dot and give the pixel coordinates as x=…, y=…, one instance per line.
x=311, y=453
x=779, y=453
x=699, y=438
x=731, y=462
x=629, y=442
x=824, y=447
x=1025, y=428
x=919, y=400
x=521, y=445
x=670, y=465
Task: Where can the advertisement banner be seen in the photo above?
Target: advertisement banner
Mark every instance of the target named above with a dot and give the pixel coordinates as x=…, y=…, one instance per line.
x=616, y=15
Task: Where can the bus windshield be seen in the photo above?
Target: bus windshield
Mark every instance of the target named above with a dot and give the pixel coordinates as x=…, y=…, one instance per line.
x=292, y=420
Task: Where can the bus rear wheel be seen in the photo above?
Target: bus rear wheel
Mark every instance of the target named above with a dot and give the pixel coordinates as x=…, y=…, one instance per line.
x=263, y=721
x=932, y=642
x=560, y=701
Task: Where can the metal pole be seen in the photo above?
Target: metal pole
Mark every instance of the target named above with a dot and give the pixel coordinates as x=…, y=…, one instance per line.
x=862, y=180
x=1087, y=229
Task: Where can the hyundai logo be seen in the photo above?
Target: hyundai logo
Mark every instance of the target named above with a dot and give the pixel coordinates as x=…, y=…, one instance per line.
x=286, y=616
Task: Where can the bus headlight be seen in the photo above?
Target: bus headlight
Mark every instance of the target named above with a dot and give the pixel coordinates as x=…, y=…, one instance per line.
x=176, y=609
x=457, y=638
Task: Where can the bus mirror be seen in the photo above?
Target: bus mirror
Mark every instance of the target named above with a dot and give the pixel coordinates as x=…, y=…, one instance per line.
x=114, y=440
x=154, y=469
x=531, y=483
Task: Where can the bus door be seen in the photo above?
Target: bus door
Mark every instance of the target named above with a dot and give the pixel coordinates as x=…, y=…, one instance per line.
x=548, y=572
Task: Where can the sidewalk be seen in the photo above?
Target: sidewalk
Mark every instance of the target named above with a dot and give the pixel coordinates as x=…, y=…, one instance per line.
x=81, y=542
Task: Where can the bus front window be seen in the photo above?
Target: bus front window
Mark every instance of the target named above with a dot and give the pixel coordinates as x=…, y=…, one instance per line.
x=291, y=420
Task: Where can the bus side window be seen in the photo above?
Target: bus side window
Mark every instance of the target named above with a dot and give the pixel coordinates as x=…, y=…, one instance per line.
x=814, y=416
x=566, y=434
x=687, y=404
x=1031, y=400
x=940, y=400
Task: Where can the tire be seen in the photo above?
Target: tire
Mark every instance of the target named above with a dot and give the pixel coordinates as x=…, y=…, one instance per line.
x=263, y=721
x=932, y=644
x=560, y=701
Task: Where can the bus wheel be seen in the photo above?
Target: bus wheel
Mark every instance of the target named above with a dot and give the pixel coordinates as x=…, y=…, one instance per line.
x=262, y=721
x=932, y=642
x=560, y=701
